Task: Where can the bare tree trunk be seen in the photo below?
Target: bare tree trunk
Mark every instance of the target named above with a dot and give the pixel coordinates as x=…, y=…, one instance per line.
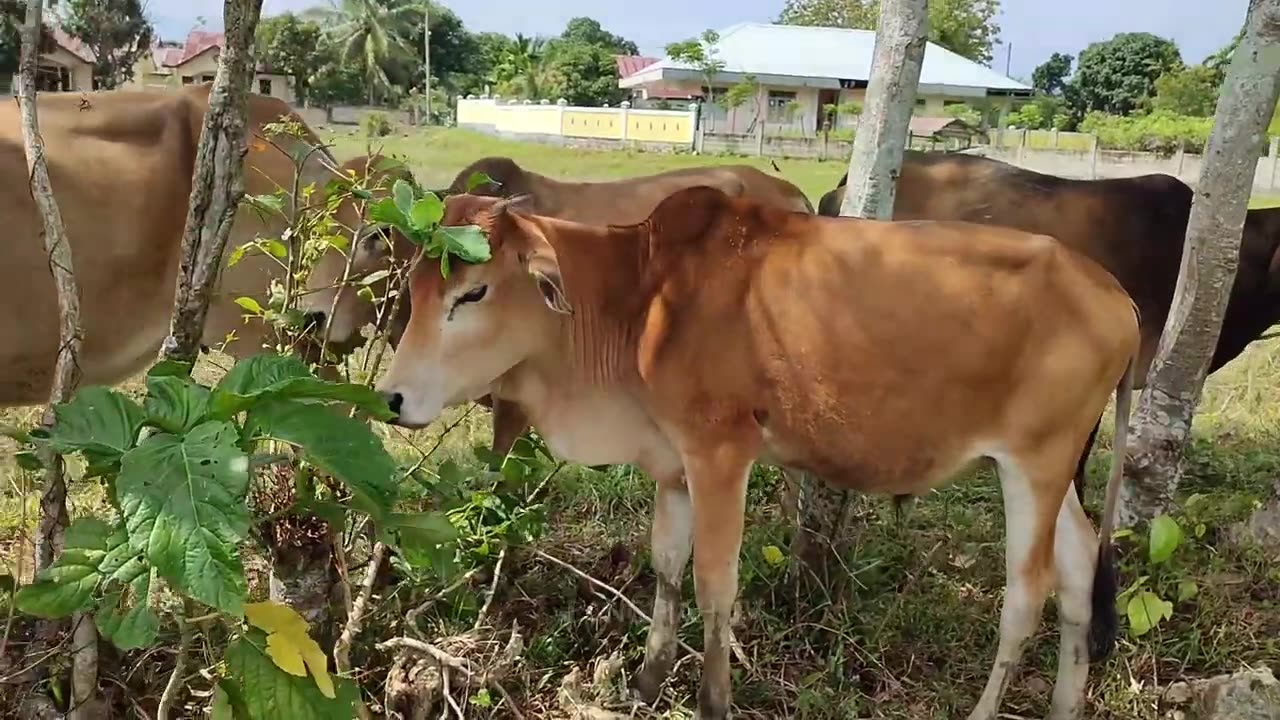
x=217, y=184
x=53, y=500
x=873, y=173
x=1209, y=260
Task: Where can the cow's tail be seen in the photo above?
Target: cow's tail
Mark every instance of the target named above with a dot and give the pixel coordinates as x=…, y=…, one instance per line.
x=1103, y=622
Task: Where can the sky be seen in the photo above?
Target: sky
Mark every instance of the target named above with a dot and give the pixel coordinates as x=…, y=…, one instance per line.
x=1027, y=38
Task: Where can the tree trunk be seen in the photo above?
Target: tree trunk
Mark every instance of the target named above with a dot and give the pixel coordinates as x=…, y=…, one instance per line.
x=53, y=500
x=1209, y=260
x=873, y=172
x=217, y=184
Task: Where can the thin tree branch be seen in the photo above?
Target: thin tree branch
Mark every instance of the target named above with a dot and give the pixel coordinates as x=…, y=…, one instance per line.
x=172, y=688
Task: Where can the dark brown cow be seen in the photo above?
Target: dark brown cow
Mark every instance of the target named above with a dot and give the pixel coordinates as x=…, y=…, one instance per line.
x=882, y=357
x=1134, y=227
x=616, y=202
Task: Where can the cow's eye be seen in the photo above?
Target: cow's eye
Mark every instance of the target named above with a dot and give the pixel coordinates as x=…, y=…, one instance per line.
x=473, y=295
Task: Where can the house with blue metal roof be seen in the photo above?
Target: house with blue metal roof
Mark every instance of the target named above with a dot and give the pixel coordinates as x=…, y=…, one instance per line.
x=801, y=69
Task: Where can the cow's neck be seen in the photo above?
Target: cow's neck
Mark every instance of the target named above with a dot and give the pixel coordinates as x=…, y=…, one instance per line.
x=589, y=368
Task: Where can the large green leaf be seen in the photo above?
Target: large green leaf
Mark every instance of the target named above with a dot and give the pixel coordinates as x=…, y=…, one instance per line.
x=339, y=445
x=175, y=403
x=273, y=694
x=98, y=421
x=68, y=585
x=1166, y=535
x=404, y=196
x=125, y=616
x=466, y=242
x=1145, y=611
x=267, y=376
x=423, y=538
x=427, y=212
x=183, y=500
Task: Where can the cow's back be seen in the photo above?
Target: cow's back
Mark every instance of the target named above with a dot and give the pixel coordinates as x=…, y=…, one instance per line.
x=120, y=166
x=947, y=316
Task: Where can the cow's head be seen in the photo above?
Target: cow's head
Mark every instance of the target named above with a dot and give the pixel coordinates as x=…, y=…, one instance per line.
x=372, y=251
x=468, y=329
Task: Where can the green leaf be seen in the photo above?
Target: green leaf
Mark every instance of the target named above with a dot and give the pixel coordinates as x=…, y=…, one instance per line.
x=772, y=555
x=339, y=445
x=427, y=213
x=1194, y=500
x=228, y=701
x=97, y=421
x=1146, y=610
x=170, y=368
x=183, y=500
x=467, y=242
x=68, y=585
x=273, y=694
x=385, y=164
x=250, y=305
x=29, y=461
x=175, y=403
x=385, y=211
x=1187, y=589
x=267, y=376
x=134, y=626
x=422, y=534
x=1201, y=529
x=476, y=179
x=221, y=708
x=271, y=203
x=404, y=196
x=1166, y=534
x=276, y=248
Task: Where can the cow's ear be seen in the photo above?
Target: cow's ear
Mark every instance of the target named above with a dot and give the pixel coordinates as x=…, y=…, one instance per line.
x=541, y=263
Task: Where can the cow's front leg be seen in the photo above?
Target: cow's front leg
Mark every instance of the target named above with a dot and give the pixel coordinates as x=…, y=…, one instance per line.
x=671, y=542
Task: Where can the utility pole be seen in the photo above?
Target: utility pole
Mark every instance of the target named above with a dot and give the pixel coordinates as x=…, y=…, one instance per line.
x=426, y=61
x=1008, y=58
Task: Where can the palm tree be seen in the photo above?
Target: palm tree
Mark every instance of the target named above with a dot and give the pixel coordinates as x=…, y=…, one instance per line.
x=371, y=33
x=525, y=69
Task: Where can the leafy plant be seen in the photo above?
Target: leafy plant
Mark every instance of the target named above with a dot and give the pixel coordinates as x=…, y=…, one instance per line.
x=1144, y=603
x=417, y=216
x=178, y=468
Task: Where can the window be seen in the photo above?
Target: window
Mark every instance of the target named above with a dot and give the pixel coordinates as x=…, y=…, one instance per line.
x=207, y=77
x=781, y=106
x=264, y=86
x=187, y=79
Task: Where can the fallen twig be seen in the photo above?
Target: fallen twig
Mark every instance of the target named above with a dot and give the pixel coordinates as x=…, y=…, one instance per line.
x=411, y=617
x=355, y=617
x=449, y=661
x=493, y=590
x=613, y=591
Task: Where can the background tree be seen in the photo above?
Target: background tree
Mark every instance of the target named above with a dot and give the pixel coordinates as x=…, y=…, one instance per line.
x=587, y=31
x=118, y=33
x=1050, y=76
x=585, y=74
x=878, y=148
x=524, y=70
x=965, y=27
x=1209, y=261
x=453, y=51
x=292, y=46
x=701, y=53
x=372, y=33
x=1118, y=76
x=1188, y=91
x=11, y=13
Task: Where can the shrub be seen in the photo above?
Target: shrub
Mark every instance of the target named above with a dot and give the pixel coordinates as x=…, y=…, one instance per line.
x=376, y=124
x=1160, y=131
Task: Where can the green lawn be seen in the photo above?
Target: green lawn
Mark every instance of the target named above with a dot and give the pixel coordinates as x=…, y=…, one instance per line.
x=437, y=155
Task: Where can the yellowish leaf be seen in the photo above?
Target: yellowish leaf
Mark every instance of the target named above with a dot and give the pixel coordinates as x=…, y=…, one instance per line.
x=288, y=644
x=772, y=555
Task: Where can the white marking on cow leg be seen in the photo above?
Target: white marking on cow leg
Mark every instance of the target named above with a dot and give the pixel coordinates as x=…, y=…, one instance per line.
x=1027, y=557
x=1075, y=555
x=718, y=490
x=671, y=542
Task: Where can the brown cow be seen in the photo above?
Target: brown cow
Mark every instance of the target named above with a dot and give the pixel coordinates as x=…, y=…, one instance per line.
x=1134, y=227
x=616, y=202
x=121, y=163
x=882, y=357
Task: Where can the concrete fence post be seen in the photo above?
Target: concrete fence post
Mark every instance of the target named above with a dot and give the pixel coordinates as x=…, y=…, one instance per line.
x=1093, y=158
x=760, y=137
x=561, y=104
x=1182, y=159
x=626, y=118
x=1022, y=146
x=1055, y=138
x=699, y=131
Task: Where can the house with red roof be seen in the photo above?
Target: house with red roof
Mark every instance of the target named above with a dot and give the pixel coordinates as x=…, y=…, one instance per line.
x=66, y=65
x=171, y=65
x=629, y=65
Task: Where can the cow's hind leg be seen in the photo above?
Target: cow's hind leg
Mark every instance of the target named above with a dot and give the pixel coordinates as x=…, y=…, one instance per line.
x=1075, y=559
x=672, y=541
x=1033, y=485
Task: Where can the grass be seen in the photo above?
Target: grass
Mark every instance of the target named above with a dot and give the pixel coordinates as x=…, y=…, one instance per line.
x=916, y=635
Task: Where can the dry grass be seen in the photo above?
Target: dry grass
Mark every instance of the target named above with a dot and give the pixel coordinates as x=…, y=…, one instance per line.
x=917, y=635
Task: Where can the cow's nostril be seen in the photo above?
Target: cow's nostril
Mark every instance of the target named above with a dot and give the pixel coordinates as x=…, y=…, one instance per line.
x=394, y=401
x=313, y=319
